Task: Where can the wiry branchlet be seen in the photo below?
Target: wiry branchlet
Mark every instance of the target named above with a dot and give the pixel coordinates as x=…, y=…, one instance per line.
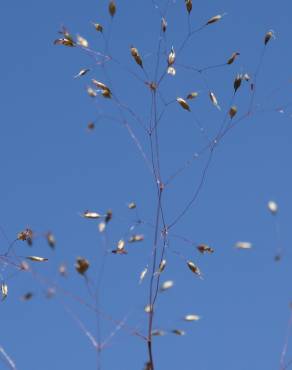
x=37, y=259
x=81, y=41
x=82, y=72
x=232, y=111
x=183, y=104
x=232, y=58
x=51, y=239
x=189, y=5
x=192, y=95
x=81, y=265
x=4, y=291
x=273, y=207
x=163, y=24
x=98, y=27
x=112, y=8
x=214, y=19
x=135, y=54
x=268, y=36
x=136, y=238
x=204, y=248
x=171, y=57
x=194, y=268
x=237, y=82
x=214, y=100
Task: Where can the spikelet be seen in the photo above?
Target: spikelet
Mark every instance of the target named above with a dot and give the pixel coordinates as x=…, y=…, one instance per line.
x=89, y=214
x=81, y=265
x=204, y=248
x=27, y=296
x=163, y=24
x=51, y=239
x=158, y=333
x=92, y=93
x=64, y=42
x=37, y=259
x=112, y=8
x=232, y=58
x=178, y=332
x=171, y=57
x=132, y=205
x=82, y=72
x=136, y=238
x=161, y=266
x=98, y=27
x=214, y=19
x=135, y=54
x=62, y=270
x=166, y=285
x=189, y=5
x=101, y=227
x=232, y=111
x=268, y=36
x=26, y=234
x=171, y=71
x=214, y=100
x=120, y=247
x=192, y=318
x=192, y=95
x=82, y=41
x=237, y=83
x=243, y=245
x=183, y=104
x=273, y=207
x=4, y=291
x=195, y=269
x=143, y=274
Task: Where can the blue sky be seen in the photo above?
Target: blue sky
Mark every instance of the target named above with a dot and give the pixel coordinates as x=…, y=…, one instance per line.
x=53, y=168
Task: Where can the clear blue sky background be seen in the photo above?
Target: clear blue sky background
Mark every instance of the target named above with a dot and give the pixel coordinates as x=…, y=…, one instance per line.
x=52, y=169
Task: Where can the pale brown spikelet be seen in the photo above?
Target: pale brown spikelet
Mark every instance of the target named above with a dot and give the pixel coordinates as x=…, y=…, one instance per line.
x=214, y=19
x=135, y=54
x=81, y=265
x=98, y=27
x=268, y=36
x=192, y=95
x=189, y=5
x=112, y=8
x=194, y=268
x=273, y=207
x=232, y=58
x=4, y=291
x=37, y=259
x=183, y=104
x=232, y=111
x=81, y=41
x=51, y=239
x=204, y=248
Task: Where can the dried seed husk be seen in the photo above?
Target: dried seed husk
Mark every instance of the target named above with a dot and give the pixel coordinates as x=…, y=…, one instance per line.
x=92, y=93
x=214, y=100
x=82, y=72
x=183, y=104
x=108, y=216
x=132, y=205
x=171, y=71
x=161, y=266
x=26, y=234
x=101, y=227
x=143, y=274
